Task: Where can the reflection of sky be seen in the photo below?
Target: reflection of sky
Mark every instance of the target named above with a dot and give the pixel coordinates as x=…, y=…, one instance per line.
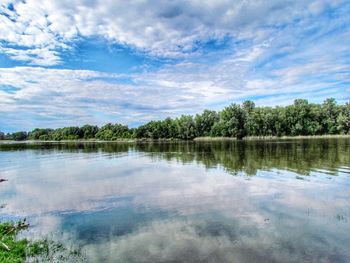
x=147, y=209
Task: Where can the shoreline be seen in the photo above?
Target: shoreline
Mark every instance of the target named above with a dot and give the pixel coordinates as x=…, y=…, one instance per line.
x=267, y=138
x=197, y=139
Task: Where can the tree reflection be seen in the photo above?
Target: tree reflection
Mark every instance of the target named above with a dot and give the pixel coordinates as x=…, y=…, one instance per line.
x=302, y=156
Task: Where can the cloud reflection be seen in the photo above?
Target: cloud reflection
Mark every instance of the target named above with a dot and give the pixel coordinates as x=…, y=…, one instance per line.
x=147, y=206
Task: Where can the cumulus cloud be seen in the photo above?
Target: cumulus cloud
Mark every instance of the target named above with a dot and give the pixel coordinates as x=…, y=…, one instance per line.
x=61, y=97
x=169, y=30
x=85, y=95
x=272, y=52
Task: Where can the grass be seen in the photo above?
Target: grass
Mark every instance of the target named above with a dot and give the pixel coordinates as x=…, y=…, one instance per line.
x=208, y=138
x=16, y=250
x=272, y=137
x=204, y=139
x=11, y=249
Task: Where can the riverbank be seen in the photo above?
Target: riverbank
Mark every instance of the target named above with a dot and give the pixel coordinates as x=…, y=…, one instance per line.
x=262, y=138
x=14, y=248
x=197, y=139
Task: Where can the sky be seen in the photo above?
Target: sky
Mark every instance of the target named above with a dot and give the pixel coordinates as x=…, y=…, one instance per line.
x=72, y=62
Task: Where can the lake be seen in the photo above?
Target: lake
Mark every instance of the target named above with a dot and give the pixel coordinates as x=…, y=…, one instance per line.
x=233, y=201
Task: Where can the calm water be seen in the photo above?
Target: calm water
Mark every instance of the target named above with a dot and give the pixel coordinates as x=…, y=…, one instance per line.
x=275, y=201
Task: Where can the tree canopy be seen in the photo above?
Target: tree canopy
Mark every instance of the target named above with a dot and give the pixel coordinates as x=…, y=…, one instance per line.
x=235, y=120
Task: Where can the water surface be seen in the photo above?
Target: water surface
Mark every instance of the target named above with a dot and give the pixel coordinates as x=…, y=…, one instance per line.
x=272, y=201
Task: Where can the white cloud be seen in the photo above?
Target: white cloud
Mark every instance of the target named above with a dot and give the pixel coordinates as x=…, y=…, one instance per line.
x=272, y=62
x=169, y=29
x=61, y=97
x=36, y=56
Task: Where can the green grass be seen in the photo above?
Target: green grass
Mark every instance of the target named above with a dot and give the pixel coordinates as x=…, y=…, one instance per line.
x=248, y=138
x=12, y=249
x=16, y=250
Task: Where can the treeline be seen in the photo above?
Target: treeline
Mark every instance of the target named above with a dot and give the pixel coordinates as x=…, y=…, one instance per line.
x=301, y=118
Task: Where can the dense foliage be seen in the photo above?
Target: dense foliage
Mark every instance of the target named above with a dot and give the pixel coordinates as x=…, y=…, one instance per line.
x=301, y=118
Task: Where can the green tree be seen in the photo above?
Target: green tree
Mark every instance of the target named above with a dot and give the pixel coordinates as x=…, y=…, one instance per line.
x=343, y=119
x=38, y=134
x=186, y=127
x=248, y=106
x=300, y=118
x=233, y=119
x=112, y=132
x=89, y=131
x=205, y=122
x=19, y=136
x=330, y=112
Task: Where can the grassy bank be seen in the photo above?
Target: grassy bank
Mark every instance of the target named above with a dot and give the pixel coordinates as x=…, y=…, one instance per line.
x=14, y=249
x=147, y=140
x=271, y=137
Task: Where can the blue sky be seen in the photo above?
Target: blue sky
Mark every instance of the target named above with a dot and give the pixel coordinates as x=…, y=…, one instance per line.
x=74, y=62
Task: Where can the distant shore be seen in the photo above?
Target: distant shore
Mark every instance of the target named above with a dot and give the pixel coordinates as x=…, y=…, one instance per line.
x=197, y=139
x=262, y=138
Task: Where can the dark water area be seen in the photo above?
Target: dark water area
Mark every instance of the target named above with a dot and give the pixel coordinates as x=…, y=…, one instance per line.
x=236, y=201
